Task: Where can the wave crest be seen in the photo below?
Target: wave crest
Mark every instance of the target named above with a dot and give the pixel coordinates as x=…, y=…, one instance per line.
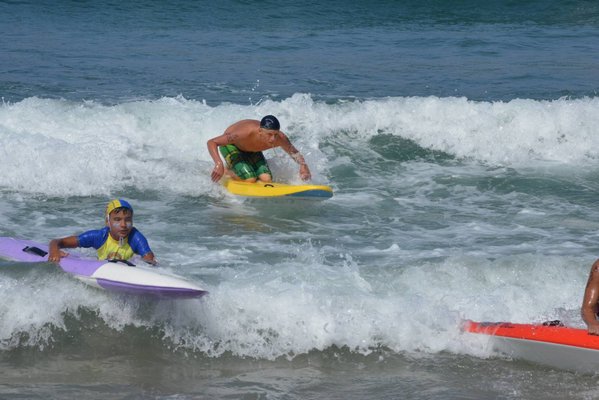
x=58, y=147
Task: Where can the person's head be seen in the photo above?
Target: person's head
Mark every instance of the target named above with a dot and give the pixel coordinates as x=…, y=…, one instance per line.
x=270, y=126
x=119, y=218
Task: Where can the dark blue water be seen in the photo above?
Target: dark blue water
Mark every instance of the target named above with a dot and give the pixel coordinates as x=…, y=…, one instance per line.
x=242, y=52
x=460, y=139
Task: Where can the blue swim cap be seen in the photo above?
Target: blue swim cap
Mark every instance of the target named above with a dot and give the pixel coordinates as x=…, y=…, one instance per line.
x=270, y=122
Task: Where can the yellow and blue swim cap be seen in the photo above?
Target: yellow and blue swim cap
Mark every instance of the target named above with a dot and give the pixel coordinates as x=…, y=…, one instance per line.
x=117, y=203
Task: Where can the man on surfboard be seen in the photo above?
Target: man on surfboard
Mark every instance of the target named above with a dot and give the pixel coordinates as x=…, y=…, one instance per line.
x=590, y=302
x=117, y=240
x=242, y=145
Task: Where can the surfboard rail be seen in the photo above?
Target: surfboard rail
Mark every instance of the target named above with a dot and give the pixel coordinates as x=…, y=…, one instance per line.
x=109, y=275
x=550, y=333
x=275, y=189
x=551, y=344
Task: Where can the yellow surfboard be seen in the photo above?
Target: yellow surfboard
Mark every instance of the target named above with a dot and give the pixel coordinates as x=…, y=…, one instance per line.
x=272, y=189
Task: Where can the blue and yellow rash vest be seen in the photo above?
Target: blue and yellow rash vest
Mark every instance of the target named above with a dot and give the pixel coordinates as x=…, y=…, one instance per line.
x=108, y=248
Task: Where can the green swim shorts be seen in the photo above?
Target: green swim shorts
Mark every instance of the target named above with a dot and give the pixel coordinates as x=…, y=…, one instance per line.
x=245, y=164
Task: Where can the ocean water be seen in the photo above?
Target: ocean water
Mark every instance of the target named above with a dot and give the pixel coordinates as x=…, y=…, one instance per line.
x=461, y=141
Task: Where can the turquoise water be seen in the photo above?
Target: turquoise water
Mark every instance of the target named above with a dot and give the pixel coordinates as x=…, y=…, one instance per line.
x=460, y=142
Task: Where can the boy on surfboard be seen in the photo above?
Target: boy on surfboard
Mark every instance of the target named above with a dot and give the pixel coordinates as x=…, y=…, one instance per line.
x=117, y=240
x=242, y=145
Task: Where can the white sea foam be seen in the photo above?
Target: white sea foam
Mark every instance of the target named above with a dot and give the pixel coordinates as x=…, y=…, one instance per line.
x=392, y=270
x=307, y=305
x=58, y=147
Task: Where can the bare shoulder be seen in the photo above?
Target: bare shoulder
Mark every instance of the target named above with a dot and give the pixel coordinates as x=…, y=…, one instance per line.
x=244, y=124
x=594, y=274
x=283, y=140
x=240, y=130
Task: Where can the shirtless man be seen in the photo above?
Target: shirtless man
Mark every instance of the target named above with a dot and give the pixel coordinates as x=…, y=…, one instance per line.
x=242, y=145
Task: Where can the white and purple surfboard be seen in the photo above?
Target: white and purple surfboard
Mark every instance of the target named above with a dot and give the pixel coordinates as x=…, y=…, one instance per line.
x=114, y=276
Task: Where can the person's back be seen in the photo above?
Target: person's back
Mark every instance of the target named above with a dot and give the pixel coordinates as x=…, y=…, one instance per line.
x=244, y=142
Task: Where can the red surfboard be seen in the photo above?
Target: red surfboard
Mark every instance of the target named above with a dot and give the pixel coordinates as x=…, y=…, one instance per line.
x=551, y=343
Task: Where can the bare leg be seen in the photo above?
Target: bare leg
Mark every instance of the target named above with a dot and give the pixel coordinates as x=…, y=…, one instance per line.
x=232, y=175
x=265, y=178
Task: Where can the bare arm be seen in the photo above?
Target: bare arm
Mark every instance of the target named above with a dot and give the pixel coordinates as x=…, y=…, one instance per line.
x=150, y=258
x=219, y=168
x=229, y=137
x=297, y=157
x=589, y=303
x=56, y=244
